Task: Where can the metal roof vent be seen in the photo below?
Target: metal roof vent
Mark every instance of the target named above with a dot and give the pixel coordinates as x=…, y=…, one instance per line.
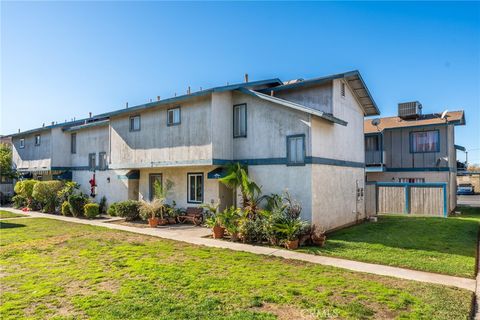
x=410, y=110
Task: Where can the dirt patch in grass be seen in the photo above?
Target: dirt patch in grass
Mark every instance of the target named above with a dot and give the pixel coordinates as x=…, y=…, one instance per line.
x=285, y=312
x=137, y=224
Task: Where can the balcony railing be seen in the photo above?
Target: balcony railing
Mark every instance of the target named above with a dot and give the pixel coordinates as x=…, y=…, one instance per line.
x=374, y=158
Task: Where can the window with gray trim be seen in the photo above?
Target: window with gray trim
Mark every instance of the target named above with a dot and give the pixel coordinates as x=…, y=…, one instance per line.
x=38, y=139
x=22, y=143
x=102, y=160
x=173, y=116
x=73, y=143
x=240, y=120
x=135, y=123
x=296, y=150
x=195, y=187
x=92, y=161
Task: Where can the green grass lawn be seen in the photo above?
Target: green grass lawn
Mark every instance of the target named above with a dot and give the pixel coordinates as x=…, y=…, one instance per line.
x=423, y=243
x=56, y=269
x=7, y=214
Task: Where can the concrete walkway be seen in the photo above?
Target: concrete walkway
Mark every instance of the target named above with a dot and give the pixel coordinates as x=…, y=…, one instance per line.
x=196, y=235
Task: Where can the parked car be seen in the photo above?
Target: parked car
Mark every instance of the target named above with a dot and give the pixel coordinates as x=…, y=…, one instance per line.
x=465, y=188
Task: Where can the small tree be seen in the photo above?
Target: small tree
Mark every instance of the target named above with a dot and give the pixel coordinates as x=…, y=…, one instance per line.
x=6, y=167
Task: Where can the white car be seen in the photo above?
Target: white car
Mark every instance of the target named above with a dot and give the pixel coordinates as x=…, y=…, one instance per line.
x=465, y=188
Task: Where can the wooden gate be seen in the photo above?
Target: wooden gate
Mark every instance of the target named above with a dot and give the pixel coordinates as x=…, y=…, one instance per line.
x=414, y=198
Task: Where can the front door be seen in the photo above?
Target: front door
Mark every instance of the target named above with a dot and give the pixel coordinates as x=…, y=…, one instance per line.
x=151, y=183
x=226, y=196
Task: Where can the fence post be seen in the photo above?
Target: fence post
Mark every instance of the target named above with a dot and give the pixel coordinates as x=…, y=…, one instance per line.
x=407, y=199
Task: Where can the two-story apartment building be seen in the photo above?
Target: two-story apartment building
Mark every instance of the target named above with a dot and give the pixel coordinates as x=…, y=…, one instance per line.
x=414, y=148
x=304, y=136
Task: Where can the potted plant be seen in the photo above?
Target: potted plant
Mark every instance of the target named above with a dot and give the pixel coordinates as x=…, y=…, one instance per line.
x=214, y=219
x=172, y=213
x=290, y=230
x=230, y=218
x=213, y=222
x=149, y=210
x=319, y=237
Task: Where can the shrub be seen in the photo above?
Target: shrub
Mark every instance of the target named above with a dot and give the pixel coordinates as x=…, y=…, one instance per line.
x=67, y=190
x=128, y=209
x=112, y=210
x=253, y=230
x=103, y=205
x=45, y=192
x=66, y=209
x=77, y=202
x=25, y=189
x=91, y=210
x=289, y=229
x=19, y=201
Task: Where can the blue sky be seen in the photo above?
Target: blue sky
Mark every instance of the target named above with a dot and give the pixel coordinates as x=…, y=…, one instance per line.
x=61, y=60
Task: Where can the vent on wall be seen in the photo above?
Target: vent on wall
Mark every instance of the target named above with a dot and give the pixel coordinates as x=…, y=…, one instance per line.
x=410, y=110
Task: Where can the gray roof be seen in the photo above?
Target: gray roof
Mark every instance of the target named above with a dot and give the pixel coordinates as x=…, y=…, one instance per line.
x=353, y=79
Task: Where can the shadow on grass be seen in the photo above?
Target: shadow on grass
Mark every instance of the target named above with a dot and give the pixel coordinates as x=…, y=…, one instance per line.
x=9, y=225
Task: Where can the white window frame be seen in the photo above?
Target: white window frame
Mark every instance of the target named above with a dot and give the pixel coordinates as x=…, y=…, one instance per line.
x=132, y=123
x=239, y=124
x=176, y=113
x=195, y=199
x=22, y=143
x=298, y=158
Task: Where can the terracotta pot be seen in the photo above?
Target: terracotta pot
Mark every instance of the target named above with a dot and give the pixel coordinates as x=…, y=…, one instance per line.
x=172, y=220
x=319, y=240
x=218, y=232
x=292, y=245
x=162, y=222
x=153, y=222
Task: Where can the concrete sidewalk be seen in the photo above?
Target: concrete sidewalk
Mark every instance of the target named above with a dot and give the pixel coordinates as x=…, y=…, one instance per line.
x=196, y=235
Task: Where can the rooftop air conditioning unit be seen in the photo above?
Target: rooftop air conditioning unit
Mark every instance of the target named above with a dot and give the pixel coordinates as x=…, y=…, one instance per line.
x=410, y=110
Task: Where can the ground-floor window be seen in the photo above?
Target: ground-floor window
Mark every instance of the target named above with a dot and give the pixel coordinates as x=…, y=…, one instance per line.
x=411, y=180
x=195, y=187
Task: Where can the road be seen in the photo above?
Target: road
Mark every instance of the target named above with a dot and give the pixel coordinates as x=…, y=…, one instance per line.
x=472, y=201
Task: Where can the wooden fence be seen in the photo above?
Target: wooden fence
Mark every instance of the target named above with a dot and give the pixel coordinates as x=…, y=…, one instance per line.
x=414, y=198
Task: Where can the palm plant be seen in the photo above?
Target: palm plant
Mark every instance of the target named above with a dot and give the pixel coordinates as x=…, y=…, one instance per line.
x=289, y=229
x=236, y=175
x=151, y=209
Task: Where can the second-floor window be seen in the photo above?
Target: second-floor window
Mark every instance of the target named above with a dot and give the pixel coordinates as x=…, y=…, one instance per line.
x=22, y=143
x=296, y=150
x=37, y=139
x=371, y=143
x=173, y=116
x=73, y=143
x=240, y=120
x=135, y=123
x=92, y=161
x=425, y=141
x=102, y=160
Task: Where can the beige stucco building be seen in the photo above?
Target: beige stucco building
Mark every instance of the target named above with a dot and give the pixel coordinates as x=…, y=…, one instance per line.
x=304, y=136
